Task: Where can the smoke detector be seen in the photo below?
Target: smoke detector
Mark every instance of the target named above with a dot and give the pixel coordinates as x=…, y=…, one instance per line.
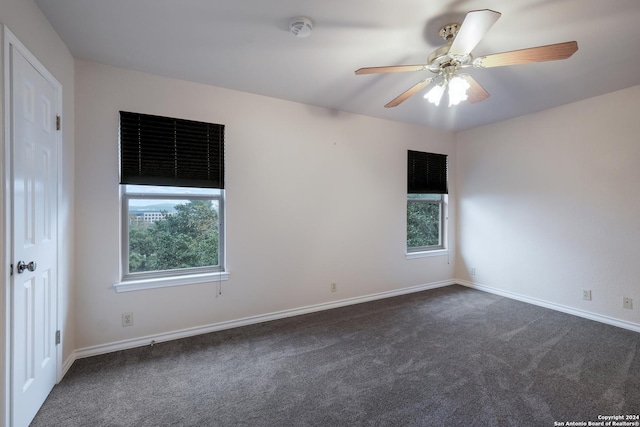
x=300, y=26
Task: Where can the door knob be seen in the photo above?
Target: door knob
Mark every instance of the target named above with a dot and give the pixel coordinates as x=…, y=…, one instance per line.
x=22, y=266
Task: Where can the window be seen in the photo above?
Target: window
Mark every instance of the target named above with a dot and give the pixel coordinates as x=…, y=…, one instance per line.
x=172, y=186
x=426, y=189
x=424, y=222
x=171, y=229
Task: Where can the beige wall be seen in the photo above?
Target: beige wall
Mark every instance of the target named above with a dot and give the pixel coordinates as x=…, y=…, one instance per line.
x=26, y=22
x=549, y=205
x=313, y=196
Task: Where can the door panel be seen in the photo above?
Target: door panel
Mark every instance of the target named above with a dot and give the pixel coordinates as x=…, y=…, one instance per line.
x=34, y=239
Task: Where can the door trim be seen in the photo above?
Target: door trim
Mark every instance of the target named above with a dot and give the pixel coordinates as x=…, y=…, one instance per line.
x=10, y=40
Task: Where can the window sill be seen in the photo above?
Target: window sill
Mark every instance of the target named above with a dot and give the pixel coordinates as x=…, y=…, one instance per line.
x=164, y=282
x=426, y=254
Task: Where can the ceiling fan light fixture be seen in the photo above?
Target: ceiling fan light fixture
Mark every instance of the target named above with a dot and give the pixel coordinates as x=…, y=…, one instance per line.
x=458, y=90
x=456, y=84
x=435, y=94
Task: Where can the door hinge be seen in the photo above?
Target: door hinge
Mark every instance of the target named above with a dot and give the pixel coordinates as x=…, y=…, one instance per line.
x=57, y=122
x=10, y=269
x=57, y=337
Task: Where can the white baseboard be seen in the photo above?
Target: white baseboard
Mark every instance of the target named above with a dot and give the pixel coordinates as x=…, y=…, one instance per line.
x=67, y=364
x=553, y=306
x=184, y=333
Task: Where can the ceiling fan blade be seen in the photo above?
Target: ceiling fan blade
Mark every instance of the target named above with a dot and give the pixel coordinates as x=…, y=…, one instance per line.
x=550, y=52
x=473, y=28
x=411, y=91
x=390, y=69
x=475, y=93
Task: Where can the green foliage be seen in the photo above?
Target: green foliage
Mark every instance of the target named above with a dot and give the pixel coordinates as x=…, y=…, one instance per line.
x=423, y=224
x=187, y=238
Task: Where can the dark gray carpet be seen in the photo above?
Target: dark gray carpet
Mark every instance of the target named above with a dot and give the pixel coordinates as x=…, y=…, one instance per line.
x=447, y=357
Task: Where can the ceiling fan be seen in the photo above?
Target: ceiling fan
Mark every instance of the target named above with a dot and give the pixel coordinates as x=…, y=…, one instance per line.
x=448, y=60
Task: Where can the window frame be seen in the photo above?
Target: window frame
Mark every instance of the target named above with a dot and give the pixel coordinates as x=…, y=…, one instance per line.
x=441, y=246
x=178, y=276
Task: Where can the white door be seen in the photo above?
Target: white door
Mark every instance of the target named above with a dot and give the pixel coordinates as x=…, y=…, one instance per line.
x=34, y=239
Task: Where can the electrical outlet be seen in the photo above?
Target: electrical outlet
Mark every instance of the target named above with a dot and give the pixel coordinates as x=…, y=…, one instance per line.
x=334, y=287
x=627, y=303
x=473, y=271
x=127, y=319
x=586, y=294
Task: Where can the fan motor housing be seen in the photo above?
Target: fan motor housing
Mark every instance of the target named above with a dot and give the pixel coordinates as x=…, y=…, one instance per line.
x=441, y=59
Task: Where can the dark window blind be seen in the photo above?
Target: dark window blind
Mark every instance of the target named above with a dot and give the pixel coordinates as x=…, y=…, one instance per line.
x=157, y=150
x=426, y=173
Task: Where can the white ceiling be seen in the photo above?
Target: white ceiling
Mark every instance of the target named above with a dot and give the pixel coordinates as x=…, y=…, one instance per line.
x=246, y=45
